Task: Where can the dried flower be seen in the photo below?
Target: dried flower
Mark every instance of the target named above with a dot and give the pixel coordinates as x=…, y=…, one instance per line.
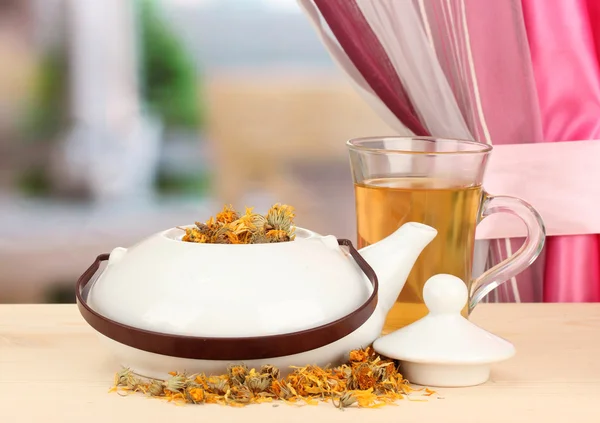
x=277, y=235
x=364, y=377
x=176, y=383
x=156, y=388
x=237, y=373
x=203, y=228
x=366, y=380
x=345, y=400
x=358, y=356
x=384, y=371
x=194, y=395
x=344, y=372
x=227, y=215
x=280, y=217
x=258, y=221
x=218, y=384
x=195, y=235
x=126, y=378
x=257, y=382
x=259, y=237
x=223, y=235
x=282, y=389
x=270, y=370
x=251, y=228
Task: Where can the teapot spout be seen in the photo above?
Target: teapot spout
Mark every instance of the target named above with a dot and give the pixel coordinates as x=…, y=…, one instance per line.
x=393, y=258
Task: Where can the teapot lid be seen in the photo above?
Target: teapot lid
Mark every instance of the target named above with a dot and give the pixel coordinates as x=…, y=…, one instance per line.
x=444, y=348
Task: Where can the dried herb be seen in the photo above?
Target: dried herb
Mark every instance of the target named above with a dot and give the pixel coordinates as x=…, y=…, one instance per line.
x=229, y=227
x=366, y=380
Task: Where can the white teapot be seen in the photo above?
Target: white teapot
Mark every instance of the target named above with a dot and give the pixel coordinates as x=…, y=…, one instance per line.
x=166, y=305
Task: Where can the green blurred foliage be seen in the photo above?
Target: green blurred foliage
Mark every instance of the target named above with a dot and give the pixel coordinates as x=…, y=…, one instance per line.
x=34, y=182
x=169, y=81
x=169, y=84
x=173, y=184
x=46, y=113
x=169, y=75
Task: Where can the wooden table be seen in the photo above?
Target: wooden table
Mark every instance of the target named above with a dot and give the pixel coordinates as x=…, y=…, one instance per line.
x=52, y=369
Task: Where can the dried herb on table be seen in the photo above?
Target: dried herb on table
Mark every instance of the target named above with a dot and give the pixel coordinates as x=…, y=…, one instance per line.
x=367, y=380
x=229, y=227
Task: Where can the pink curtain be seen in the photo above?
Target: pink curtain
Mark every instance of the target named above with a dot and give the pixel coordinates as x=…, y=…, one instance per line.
x=504, y=84
x=366, y=52
x=564, y=38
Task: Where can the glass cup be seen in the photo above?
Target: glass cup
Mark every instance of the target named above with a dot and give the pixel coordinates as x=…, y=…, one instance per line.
x=437, y=182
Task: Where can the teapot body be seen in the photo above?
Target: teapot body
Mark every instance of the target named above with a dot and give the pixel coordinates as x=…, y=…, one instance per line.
x=166, y=305
x=167, y=286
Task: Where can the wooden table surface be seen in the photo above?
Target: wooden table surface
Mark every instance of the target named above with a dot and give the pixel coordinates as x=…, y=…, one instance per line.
x=52, y=369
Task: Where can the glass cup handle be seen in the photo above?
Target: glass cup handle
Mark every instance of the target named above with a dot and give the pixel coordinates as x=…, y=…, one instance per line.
x=519, y=261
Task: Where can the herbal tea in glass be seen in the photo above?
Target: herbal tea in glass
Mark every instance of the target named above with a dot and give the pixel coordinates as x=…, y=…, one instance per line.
x=437, y=182
x=385, y=204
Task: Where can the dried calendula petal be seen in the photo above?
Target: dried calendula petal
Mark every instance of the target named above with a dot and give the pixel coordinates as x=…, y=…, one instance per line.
x=281, y=217
x=125, y=378
x=203, y=228
x=212, y=224
x=242, y=232
x=358, y=356
x=218, y=385
x=156, y=388
x=367, y=380
x=237, y=373
x=258, y=221
x=346, y=400
x=383, y=371
x=224, y=235
x=257, y=382
x=227, y=215
x=275, y=235
x=365, y=377
x=176, y=383
x=259, y=237
x=194, y=395
x=270, y=370
x=251, y=228
x=195, y=235
x=283, y=390
x=240, y=394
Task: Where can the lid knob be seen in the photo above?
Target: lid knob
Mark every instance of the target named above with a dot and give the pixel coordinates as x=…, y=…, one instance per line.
x=445, y=294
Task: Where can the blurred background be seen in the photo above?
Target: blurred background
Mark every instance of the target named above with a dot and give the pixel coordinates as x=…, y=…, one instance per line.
x=122, y=118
